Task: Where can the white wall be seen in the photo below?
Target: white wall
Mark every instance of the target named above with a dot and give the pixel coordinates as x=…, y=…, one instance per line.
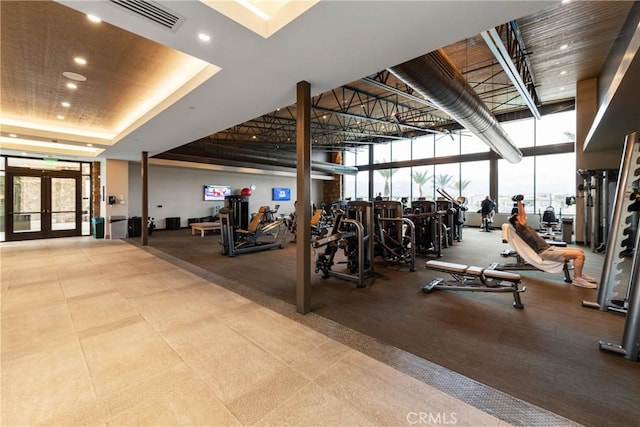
x=179, y=190
x=115, y=177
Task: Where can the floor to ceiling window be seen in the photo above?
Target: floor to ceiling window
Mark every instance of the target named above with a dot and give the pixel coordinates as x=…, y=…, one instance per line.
x=545, y=179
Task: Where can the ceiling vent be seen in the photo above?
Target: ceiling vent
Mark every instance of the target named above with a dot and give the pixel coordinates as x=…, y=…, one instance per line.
x=153, y=12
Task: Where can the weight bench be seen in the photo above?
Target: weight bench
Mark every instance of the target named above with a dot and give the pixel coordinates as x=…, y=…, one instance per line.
x=475, y=279
x=527, y=258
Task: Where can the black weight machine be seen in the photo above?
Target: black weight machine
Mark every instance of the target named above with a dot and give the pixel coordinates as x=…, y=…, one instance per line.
x=352, y=232
x=258, y=235
x=394, y=235
x=428, y=223
x=456, y=213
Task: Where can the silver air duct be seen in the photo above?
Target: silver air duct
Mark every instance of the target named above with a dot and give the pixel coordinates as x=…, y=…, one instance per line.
x=434, y=77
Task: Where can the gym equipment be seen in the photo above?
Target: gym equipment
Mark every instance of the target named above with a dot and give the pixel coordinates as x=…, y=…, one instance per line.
x=598, y=190
x=394, y=237
x=427, y=222
x=620, y=273
x=239, y=206
x=258, y=236
x=549, y=221
x=527, y=258
x=456, y=217
x=475, y=279
x=352, y=232
x=270, y=215
x=615, y=280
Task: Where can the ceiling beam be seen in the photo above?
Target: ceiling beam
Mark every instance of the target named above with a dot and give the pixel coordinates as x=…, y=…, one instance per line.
x=515, y=73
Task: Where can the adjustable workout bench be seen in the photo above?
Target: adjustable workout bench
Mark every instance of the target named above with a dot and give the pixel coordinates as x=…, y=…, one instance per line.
x=527, y=258
x=470, y=278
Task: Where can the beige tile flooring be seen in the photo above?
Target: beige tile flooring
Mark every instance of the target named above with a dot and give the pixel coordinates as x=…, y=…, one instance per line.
x=99, y=332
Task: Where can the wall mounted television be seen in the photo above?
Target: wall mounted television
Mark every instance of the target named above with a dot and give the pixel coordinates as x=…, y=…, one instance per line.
x=216, y=192
x=280, y=193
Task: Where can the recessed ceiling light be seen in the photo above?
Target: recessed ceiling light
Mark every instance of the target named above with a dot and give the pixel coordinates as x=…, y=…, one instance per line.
x=89, y=145
x=60, y=117
x=204, y=37
x=74, y=76
x=564, y=46
x=94, y=18
x=562, y=73
x=72, y=85
x=79, y=60
x=65, y=104
x=13, y=135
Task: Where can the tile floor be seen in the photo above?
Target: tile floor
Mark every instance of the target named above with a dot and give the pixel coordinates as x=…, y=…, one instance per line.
x=99, y=332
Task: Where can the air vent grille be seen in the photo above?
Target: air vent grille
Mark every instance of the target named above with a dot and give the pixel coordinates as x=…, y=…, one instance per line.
x=153, y=12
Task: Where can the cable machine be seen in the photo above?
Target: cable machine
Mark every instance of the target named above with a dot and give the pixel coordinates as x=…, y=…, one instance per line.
x=598, y=188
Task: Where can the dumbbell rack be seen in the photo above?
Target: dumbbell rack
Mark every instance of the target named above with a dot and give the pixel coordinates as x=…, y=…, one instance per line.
x=621, y=272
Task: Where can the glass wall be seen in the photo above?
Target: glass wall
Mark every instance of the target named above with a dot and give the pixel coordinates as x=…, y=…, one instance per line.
x=447, y=178
x=544, y=180
x=555, y=181
x=521, y=132
x=422, y=177
x=401, y=150
x=401, y=185
x=469, y=143
x=362, y=186
x=516, y=178
x=422, y=147
x=556, y=128
x=475, y=183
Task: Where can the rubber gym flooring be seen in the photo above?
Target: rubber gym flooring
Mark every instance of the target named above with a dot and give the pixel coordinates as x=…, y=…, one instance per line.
x=546, y=353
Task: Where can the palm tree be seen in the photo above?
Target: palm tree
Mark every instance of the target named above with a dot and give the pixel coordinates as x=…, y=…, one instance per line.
x=421, y=178
x=444, y=180
x=387, y=174
x=461, y=185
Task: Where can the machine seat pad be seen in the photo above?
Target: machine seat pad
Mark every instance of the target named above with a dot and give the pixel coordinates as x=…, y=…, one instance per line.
x=446, y=266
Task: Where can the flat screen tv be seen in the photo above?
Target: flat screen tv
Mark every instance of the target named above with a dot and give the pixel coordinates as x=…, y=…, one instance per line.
x=216, y=192
x=281, y=193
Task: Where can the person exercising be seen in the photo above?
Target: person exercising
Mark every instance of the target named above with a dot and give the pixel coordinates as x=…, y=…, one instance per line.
x=487, y=209
x=548, y=252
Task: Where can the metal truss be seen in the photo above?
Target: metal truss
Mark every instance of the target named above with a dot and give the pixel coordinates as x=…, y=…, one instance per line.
x=345, y=117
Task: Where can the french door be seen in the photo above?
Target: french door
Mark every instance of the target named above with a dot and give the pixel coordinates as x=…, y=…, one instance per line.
x=42, y=204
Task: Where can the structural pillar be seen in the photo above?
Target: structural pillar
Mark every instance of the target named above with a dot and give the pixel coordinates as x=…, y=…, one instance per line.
x=303, y=197
x=144, y=231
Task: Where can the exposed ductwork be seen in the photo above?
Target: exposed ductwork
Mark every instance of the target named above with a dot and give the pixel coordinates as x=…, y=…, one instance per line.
x=233, y=154
x=434, y=77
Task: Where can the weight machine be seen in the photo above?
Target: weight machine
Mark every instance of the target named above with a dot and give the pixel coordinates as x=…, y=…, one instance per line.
x=427, y=222
x=352, y=232
x=258, y=236
x=394, y=234
x=598, y=189
x=456, y=213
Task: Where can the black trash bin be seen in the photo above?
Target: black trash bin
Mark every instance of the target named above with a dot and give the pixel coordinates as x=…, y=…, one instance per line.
x=567, y=230
x=97, y=225
x=135, y=226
